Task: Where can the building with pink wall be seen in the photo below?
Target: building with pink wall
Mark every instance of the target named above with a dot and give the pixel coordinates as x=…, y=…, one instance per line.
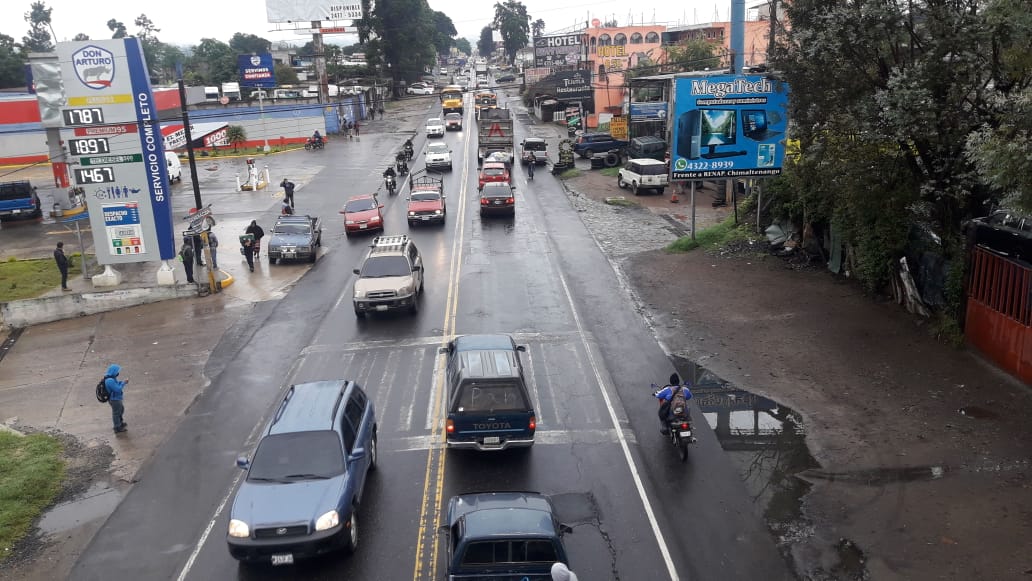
x=612, y=50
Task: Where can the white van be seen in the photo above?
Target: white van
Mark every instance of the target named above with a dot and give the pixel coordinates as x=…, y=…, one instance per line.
x=211, y=94
x=175, y=168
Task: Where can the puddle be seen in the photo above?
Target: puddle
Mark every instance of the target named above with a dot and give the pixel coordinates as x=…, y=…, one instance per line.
x=97, y=502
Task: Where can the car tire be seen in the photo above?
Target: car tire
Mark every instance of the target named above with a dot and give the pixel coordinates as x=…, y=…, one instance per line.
x=450, y=168
x=612, y=160
x=411, y=223
x=414, y=308
x=620, y=183
x=347, y=234
x=351, y=539
x=311, y=259
x=634, y=188
x=272, y=260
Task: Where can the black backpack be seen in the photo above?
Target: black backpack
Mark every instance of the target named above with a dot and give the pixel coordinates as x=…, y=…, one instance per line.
x=103, y=395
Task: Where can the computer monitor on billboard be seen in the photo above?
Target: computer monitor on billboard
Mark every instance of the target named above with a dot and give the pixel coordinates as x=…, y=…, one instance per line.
x=710, y=128
x=756, y=125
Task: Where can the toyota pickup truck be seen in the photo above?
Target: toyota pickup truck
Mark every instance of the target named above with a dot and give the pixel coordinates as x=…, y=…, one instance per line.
x=589, y=144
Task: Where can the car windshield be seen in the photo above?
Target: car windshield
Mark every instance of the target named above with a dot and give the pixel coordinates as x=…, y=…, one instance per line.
x=432, y=122
x=360, y=205
x=425, y=196
x=380, y=266
x=311, y=455
x=437, y=148
x=494, y=171
x=453, y=117
x=534, y=145
x=491, y=397
x=291, y=229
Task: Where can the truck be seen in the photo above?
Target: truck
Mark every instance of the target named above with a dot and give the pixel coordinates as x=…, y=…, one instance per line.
x=231, y=91
x=494, y=133
x=211, y=94
x=19, y=199
x=480, y=74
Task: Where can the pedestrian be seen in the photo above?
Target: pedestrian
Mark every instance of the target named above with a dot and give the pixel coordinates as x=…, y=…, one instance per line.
x=288, y=191
x=380, y=111
x=116, y=393
x=357, y=131
x=186, y=254
x=255, y=230
x=198, y=249
x=372, y=114
x=213, y=247
x=286, y=210
x=62, y=265
x=247, y=250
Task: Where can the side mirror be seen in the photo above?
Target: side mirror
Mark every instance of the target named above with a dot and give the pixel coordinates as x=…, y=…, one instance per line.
x=565, y=529
x=243, y=463
x=380, y=206
x=357, y=454
x=356, y=271
x=522, y=348
x=415, y=268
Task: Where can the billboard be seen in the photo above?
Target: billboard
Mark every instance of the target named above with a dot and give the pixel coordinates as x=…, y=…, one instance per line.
x=571, y=85
x=256, y=70
x=728, y=126
x=648, y=111
x=112, y=132
x=558, y=50
x=307, y=11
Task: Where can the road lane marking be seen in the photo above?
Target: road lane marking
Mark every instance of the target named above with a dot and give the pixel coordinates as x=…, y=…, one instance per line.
x=541, y=438
x=552, y=337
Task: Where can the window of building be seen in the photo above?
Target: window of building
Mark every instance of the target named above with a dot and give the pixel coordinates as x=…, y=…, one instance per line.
x=620, y=39
x=591, y=45
x=652, y=37
x=636, y=38
x=605, y=40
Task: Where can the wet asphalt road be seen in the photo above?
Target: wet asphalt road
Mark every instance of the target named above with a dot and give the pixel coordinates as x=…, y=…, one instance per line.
x=540, y=277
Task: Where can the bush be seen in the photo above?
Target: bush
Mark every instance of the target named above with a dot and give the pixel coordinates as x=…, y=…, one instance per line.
x=712, y=237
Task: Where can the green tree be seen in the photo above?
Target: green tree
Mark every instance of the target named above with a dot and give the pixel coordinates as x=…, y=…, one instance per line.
x=249, y=44
x=537, y=27
x=486, y=45
x=117, y=28
x=12, y=65
x=81, y=36
x=513, y=23
x=691, y=55
x=285, y=75
x=152, y=47
x=463, y=46
x=236, y=135
x=399, y=36
x=41, y=32
x=444, y=32
x=214, y=61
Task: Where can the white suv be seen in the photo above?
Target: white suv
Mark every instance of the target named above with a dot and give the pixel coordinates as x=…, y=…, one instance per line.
x=438, y=156
x=643, y=174
x=391, y=277
x=435, y=127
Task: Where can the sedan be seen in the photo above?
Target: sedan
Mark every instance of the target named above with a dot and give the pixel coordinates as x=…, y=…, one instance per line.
x=420, y=89
x=435, y=127
x=506, y=79
x=497, y=198
x=362, y=213
x=494, y=172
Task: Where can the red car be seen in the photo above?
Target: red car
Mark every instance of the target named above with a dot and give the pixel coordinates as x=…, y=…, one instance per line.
x=362, y=213
x=426, y=200
x=494, y=172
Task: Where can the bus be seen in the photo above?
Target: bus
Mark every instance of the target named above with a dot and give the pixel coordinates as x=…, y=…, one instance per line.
x=484, y=100
x=451, y=99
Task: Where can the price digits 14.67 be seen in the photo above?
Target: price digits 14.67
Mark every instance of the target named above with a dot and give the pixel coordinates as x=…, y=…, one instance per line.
x=87, y=116
x=94, y=175
x=91, y=146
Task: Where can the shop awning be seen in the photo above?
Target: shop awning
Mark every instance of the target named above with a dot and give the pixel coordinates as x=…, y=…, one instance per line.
x=203, y=134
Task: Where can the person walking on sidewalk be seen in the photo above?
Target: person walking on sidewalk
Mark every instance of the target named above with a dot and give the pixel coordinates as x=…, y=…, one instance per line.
x=213, y=246
x=357, y=132
x=288, y=191
x=255, y=230
x=186, y=254
x=62, y=265
x=116, y=393
x=247, y=249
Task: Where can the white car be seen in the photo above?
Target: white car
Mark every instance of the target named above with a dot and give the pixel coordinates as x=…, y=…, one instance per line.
x=419, y=89
x=435, y=127
x=643, y=174
x=438, y=156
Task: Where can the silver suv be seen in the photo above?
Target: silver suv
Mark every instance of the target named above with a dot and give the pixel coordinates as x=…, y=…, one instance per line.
x=391, y=277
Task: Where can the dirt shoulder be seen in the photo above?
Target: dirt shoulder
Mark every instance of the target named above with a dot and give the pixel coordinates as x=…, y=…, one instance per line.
x=923, y=449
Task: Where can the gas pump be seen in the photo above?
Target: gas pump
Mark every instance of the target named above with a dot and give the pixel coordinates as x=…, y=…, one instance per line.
x=256, y=179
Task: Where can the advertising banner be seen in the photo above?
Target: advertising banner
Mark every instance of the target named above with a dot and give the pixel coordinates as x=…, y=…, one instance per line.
x=112, y=131
x=558, y=50
x=291, y=11
x=571, y=85
x=256, y=70
x=728, y=126
x=648, y=111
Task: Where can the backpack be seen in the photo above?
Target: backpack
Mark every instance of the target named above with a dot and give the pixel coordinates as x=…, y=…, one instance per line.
x=678, y=403
x=103, y=395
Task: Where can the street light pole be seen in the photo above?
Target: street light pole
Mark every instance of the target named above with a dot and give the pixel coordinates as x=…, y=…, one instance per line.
x=189, y=139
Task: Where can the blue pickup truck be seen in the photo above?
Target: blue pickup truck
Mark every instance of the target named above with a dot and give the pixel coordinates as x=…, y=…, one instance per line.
x=19, y=199
x=589, y=144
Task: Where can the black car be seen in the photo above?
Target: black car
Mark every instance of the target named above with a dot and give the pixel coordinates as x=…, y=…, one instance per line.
x=506, y=79
x=295, y=238
x=497, y=198
x=1004, y=231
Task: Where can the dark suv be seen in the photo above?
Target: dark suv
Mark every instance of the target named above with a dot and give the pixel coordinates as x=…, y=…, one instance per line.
x=489, y=406
x=304, y=484
x=589, y=144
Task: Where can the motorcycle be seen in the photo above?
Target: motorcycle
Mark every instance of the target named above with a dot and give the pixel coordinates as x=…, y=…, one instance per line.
x=402, y=167
x=391, y=185
x=409, y=152
x=679, y=429
x=311, y=144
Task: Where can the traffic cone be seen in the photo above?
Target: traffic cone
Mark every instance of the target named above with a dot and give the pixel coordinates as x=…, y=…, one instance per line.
x=673, y=197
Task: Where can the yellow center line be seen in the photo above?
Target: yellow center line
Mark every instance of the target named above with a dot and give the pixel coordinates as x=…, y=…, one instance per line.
x=433, y=479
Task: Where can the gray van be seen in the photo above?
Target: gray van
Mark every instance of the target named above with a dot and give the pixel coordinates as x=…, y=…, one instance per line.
x=647, y=146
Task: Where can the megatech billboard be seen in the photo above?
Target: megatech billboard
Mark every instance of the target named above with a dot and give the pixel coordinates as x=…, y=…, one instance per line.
x=728, y=126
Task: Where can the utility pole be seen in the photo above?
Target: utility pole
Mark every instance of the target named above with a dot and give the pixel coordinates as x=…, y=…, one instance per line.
x=189, y=138
x=771, y=44
x=320, y=62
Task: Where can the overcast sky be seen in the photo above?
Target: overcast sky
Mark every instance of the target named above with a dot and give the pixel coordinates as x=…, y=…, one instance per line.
x=186, y=22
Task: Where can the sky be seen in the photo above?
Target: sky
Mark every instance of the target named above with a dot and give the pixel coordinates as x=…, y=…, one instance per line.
x=186, y=22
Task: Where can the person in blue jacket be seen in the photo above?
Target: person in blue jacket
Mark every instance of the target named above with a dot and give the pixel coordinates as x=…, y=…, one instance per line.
x=116, y=391
x=665, y=396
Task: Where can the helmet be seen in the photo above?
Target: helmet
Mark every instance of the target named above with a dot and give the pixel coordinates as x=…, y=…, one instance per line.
x=675, y=379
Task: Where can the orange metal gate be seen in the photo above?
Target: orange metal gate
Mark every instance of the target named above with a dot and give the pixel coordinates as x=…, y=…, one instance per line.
x=999, y=311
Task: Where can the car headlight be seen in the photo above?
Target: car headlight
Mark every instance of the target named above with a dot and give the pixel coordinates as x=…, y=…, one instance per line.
x=349, y=222
x=303, y=249
x=437, y=211
x=327, y=521
x=374, y=219
x=411, y=213
x=238, y=529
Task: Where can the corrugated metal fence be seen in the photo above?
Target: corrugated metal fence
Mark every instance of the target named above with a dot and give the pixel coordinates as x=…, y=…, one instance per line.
x=999, y=311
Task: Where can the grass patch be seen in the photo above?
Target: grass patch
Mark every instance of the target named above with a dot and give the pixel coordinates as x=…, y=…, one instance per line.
x=712, y=237
x=26, y=279
x=609, y=171
x=620, y=202
x=31, y=471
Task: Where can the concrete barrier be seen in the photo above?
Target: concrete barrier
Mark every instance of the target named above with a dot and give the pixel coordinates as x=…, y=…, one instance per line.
x=24, y=313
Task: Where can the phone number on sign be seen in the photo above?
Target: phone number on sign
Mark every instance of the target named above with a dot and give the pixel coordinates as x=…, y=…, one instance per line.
x=704, y=165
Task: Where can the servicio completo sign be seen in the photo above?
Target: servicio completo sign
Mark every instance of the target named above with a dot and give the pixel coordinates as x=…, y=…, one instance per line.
x=256, y=70
x=728, y=126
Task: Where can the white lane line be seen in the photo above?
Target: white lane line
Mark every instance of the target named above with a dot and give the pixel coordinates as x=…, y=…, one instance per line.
x=541, y=438
x=409, y=399
x=650, y=513
x=433, y=392
x=432, y=340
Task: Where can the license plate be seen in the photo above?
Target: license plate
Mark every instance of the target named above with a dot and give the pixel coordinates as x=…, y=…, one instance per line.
x=492, y=440
x=16, y=211
x=686, y=434
x=363, y=226
x=425, y=218
x=288, y=255
x=498, y=202
x=381, y=307
x=284, y=559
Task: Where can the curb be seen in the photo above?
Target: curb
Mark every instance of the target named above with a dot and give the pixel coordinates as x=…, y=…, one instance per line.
x=28, y=312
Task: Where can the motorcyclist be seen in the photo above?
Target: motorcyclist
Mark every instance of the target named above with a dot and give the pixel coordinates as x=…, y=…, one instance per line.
x=407, y=148
x=389, y=172
x=402, y=166
x=317, y=137
x=665, y=395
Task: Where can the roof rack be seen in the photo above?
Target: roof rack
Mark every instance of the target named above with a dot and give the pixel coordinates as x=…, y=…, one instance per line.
x=394, y=240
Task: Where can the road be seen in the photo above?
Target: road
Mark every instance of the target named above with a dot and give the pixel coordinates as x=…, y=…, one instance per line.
x=637, y=512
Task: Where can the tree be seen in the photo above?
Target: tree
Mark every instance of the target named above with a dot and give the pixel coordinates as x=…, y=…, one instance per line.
x=81, y=36
x=444, y=32
x=152, y=47
x=285, y=75
x=691, y=55
x=1001, y=154
x=41, y=31
x=513, y=23
x=249, y=44
x=214, y=61
x=12, y=66
x=399, y=35
x=236, y=134
x=537, y=27
x=463, y=46
x=486, y=45
x=117, y=29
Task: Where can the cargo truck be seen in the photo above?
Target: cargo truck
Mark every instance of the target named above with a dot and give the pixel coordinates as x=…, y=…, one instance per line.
x=494, y=133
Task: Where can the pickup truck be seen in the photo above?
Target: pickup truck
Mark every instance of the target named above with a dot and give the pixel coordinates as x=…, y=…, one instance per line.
x=19, y=199
x=589, y=144
x=295, y=237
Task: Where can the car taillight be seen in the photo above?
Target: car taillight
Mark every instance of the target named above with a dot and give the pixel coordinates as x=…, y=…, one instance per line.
x=484, y=201
x=449, y=426
x=684, y=425
x=510, y=200
x=533, y=423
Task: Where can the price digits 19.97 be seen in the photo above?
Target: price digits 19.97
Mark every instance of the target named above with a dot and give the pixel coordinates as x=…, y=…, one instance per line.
x=87, y=116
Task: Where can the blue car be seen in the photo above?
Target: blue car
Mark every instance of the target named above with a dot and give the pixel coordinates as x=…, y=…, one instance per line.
x=304, y=483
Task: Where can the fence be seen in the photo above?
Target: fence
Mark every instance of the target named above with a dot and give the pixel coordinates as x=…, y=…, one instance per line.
x=999, y=311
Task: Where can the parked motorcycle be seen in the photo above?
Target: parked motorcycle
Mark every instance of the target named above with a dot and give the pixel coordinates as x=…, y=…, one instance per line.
x=311, y=144
x=679, y=429
x=391, y=185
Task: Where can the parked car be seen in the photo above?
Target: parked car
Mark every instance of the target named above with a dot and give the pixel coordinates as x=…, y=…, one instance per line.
x=295, y=237
x=435, y=127
x=426, y=200
x=362, y=213
x=643, y=174
x=438, y=156
x=536, y=145
x=391, y=277
x=647, y=146
x=504, y=535
x=303, y=490
x=494, y=172
x=497, y=198
x=506, y=79
x=588, y=144
x=489, y=405
x=453, y=121
x=1005, y=231
x=420, y=89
